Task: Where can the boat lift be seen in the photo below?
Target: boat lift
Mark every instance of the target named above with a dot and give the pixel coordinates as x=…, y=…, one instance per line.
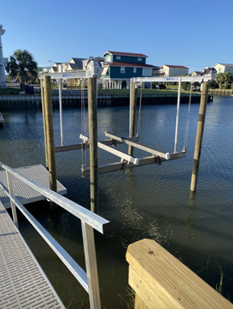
x=127, y=161
x=157, y=156
x=93, y=70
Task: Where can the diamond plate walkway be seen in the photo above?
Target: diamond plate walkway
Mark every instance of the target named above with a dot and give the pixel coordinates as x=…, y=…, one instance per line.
x=23, y=284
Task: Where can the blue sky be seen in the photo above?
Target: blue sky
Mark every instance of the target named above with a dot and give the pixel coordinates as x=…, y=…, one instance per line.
x=179, y=32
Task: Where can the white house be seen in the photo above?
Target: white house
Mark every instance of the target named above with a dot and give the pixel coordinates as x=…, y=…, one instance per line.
x=3, y=61
x=223, y=68
x=58, y=67
x=173, y=70
x=196, y=73
x=75, y=64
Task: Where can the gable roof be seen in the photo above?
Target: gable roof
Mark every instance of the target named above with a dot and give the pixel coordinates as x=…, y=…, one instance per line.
x=78, y=63
x=124, y=54
x=77, y=59
x=225, y=64
x=125, y=64
x=174, y=66
x=74, y=66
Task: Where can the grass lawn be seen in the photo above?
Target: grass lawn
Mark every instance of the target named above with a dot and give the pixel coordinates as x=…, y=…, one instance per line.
x=9, y=91
x=144, y=91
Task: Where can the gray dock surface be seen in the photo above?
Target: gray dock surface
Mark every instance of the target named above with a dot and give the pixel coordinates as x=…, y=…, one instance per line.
x=23, y=284
x=23, y=192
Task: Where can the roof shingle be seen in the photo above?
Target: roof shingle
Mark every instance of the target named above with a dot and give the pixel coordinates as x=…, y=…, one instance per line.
x=175, y=66
x=125, y=54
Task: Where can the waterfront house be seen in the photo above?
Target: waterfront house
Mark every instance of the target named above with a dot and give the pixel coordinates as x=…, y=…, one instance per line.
x=119, y=67
x=196, y=73
x=168, y=70
x=3, y=61
x=58, y=67
x=75, y=64
x=100, y=59
x=223, y=68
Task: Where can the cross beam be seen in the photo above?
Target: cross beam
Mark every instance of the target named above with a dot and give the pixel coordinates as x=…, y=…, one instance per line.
x=113, y=151
x=119, y=166
x=80, y=146
x=151, y=150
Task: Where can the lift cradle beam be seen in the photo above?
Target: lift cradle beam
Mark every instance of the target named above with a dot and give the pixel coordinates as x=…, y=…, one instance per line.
x=151, y=150
x=119, y=166
x=108, y=142
x=113, y=151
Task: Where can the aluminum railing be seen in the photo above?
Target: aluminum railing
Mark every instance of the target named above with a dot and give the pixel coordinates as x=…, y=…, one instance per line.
x=89, y=221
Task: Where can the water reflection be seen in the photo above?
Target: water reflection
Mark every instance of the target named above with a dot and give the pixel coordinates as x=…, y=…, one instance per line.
x=146, y=202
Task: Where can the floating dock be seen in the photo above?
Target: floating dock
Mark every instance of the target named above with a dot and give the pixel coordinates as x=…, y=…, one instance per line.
x=23, y=192
x=23, y=283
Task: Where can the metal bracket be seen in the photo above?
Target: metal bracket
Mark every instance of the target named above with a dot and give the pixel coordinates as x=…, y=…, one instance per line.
x=125, y=165
x=159, y=161
x=84, y=145
x=114, y=142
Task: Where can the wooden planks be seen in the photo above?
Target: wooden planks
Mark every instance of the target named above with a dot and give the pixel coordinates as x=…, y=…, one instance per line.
x=162, y=281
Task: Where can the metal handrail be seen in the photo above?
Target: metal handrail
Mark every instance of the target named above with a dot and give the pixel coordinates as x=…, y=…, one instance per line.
x=98, y=223
x=89, y=220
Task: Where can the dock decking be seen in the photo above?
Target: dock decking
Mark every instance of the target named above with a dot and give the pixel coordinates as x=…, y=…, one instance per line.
x=23, y=192
x=23, y=284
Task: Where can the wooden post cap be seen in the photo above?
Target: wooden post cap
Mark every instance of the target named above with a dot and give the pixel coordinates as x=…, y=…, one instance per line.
x=162, y=281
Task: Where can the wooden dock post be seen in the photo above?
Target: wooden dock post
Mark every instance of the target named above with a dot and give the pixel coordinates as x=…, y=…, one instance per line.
x=93, y=146
x=50, y=144
x=199, y=136
x=162, y=281
x=44, y=124
x=133, y=115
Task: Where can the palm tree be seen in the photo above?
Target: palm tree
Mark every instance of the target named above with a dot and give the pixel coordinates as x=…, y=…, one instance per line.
x=228, y=78
x=220, y=78
x=22, y=66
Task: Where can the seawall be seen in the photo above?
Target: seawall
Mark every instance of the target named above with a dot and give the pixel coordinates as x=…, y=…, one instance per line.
x=30, y=101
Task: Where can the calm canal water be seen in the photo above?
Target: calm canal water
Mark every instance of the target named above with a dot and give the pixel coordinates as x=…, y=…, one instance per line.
x=147, y=202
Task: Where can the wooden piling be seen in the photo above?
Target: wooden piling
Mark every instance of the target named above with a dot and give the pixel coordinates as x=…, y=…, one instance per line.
x=199, y=136
x=93, y=146
x=133, y=115
x=50, y=144
x=44, y=124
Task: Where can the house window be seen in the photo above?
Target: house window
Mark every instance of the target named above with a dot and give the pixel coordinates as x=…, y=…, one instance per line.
x=122, y=70
x=135, y=70
x=139, y=59
x=118, y=57
x=108, y=59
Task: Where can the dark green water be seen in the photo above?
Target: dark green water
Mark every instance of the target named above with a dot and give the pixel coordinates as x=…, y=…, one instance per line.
x=147, y=202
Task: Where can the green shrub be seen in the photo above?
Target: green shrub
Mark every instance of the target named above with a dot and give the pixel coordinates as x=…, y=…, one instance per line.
x=225, y=86
x=213, y=85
